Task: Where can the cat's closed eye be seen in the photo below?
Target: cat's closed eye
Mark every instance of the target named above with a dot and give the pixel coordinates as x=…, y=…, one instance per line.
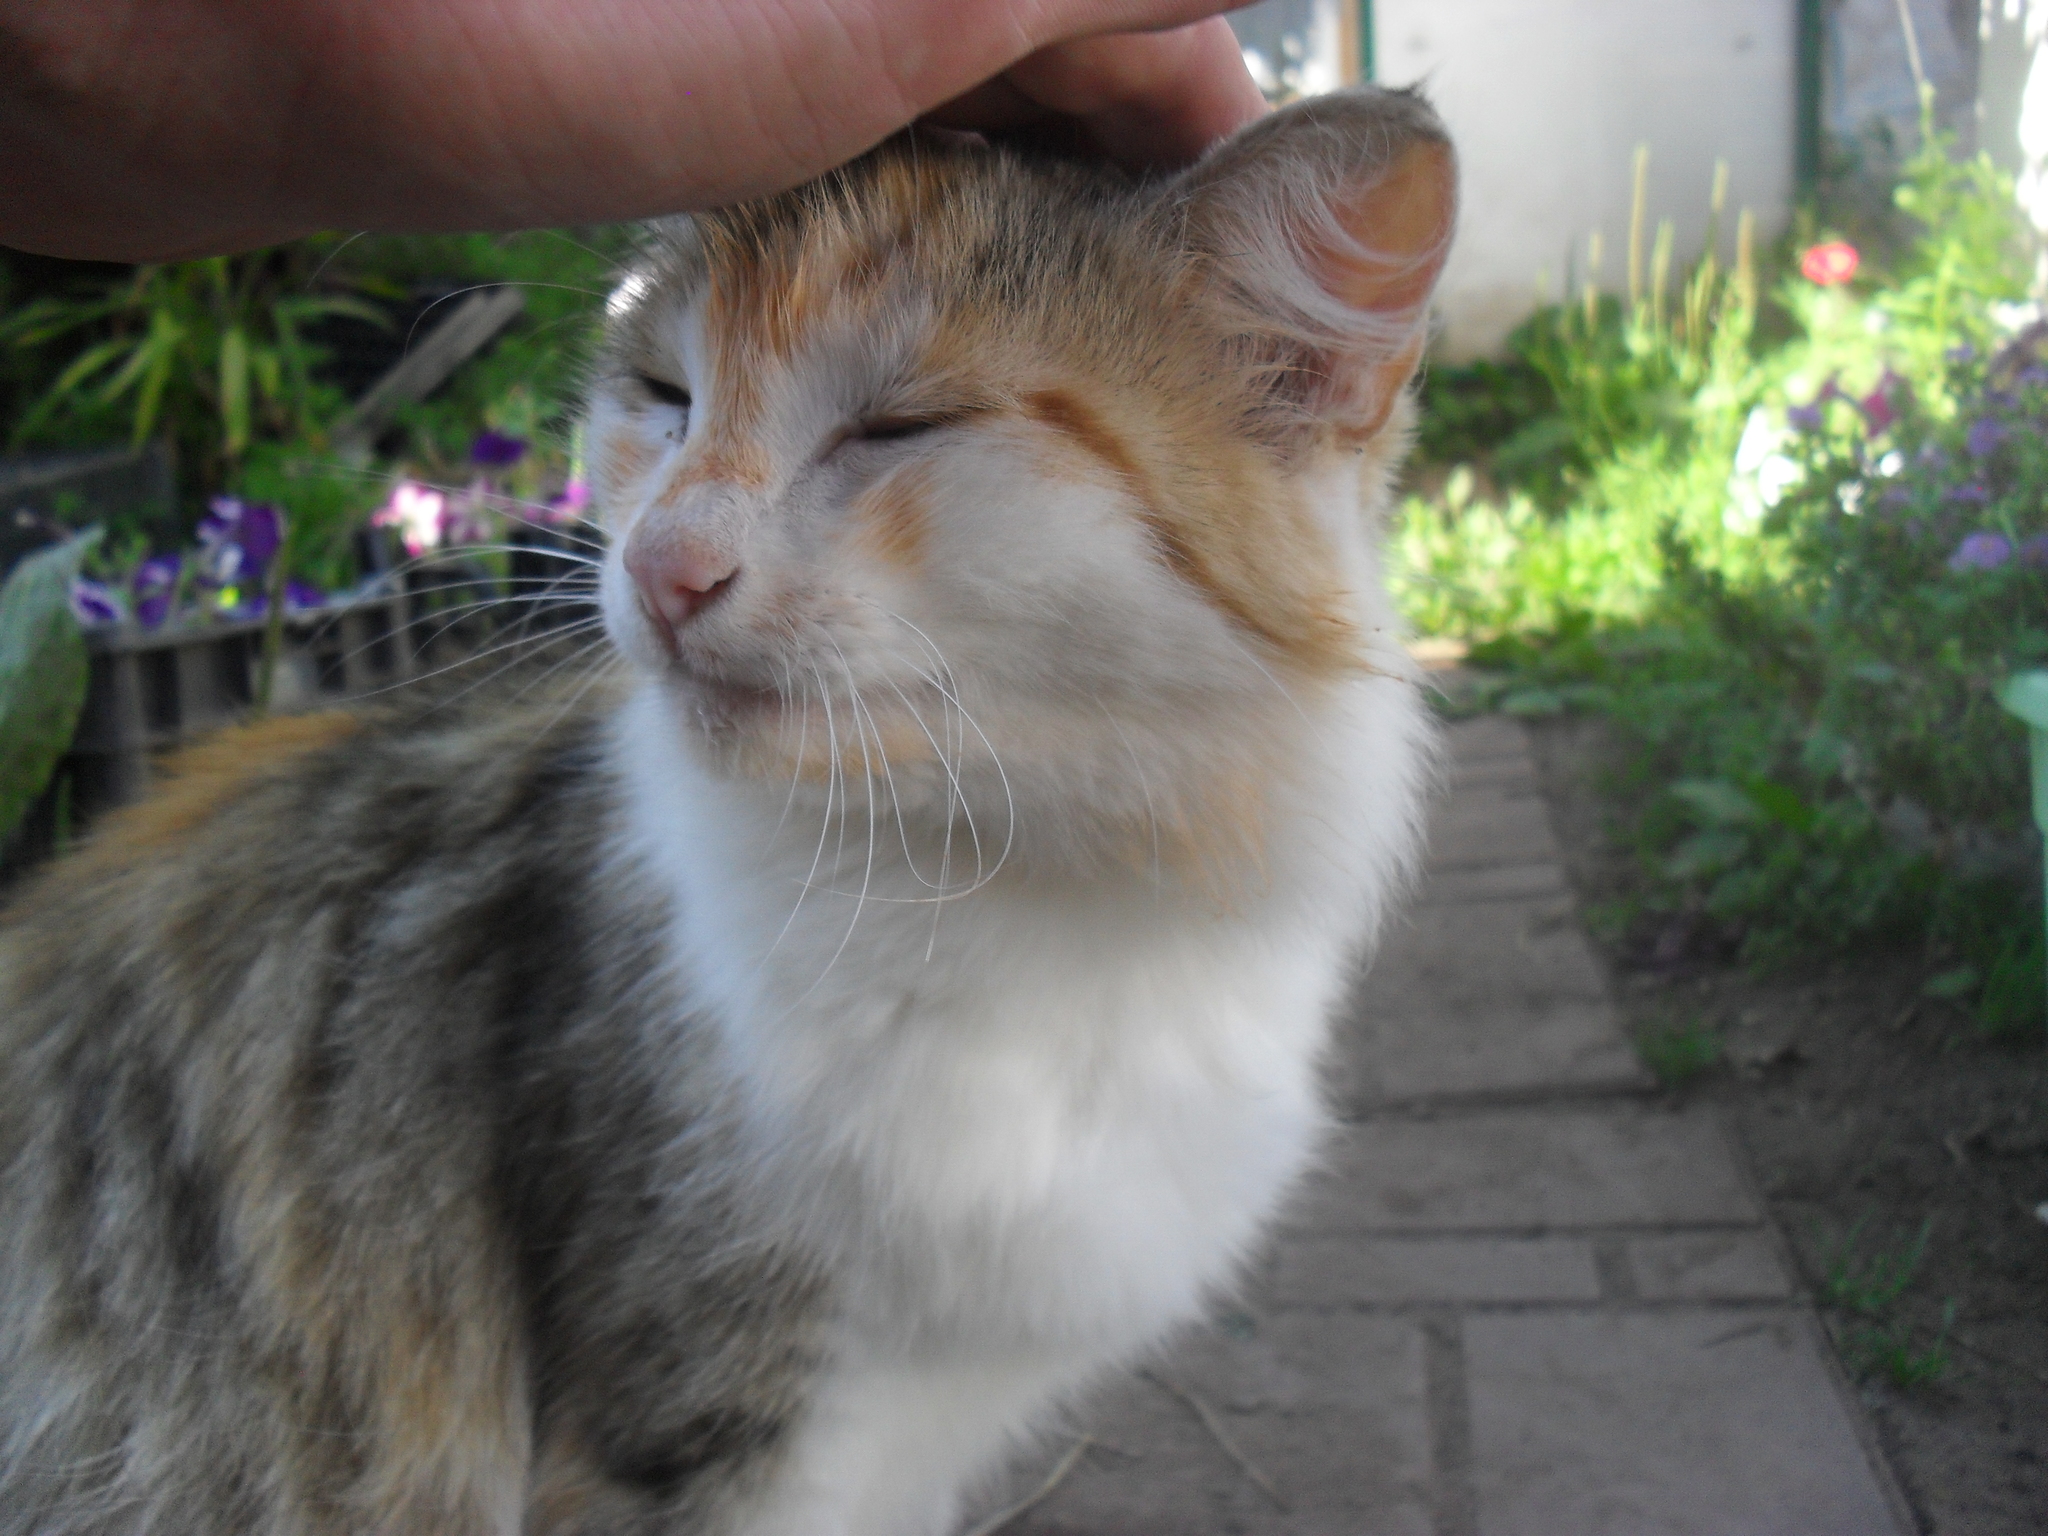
x=889, y=429
x=665, y=393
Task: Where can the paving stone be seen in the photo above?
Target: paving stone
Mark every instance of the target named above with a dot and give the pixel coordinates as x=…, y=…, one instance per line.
x=1491, y=825
x=1708, y=1266
x=1333, y=1411
x=1622, y=1403
x=1368, y=1271
x=1486, y=736
x=1667, y=1423
x=1489, y=997
x=1517, y=771
x=1526, y=1169
x=1446, y=960
x=1491, y=882
x=1566, y=1044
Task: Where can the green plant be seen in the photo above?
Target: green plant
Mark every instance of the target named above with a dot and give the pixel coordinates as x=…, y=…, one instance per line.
x=42, y=673
x=1892, y=1352
x=214, y=352
x=1677, y=1052
x=1870, y=1285
x=527, y=383
x=1795, y=599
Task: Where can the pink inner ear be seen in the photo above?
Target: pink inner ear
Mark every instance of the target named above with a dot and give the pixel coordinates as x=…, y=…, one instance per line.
x=1402, y=222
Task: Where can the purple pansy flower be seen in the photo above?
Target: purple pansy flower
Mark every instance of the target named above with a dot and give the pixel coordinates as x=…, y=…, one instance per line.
x=1984, y=436
x=1972, y=493
x=302, y=596
x=1981, y=552
x=237, y=540
x=155, y=585
x=1804, y=418
x=496, y=450
x=2033, y=552
x=94, y=602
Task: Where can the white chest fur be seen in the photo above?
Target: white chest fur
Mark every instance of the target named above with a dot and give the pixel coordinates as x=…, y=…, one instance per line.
x=1028, y=1138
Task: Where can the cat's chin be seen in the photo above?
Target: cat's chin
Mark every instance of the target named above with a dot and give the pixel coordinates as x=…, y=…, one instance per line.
x=720, y=707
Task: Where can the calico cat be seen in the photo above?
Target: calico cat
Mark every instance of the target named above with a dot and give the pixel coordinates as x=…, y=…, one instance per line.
x=740, y=1099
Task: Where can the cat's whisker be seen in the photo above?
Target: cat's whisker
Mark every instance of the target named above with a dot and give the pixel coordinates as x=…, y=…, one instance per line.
x=609, y=664
x=796, y=773
x=517, y=641
x=952, y=790
x=951, y=766
x=868, y=780
x=825, y=823
x=552, y=590
x=457, y=293
x=591, y=554
x=571, y=659
x=1009, y=795
x=523, y=642
x=888, y=769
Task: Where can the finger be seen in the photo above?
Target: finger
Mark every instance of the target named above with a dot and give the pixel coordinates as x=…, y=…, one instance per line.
x=1145, y=100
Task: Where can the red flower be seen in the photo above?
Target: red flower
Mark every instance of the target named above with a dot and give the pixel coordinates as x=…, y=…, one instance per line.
x=1830, y=264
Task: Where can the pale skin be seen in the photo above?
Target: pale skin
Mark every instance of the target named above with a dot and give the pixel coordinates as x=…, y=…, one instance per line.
x=150, y=130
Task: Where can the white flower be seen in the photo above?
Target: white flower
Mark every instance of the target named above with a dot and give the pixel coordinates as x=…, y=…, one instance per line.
x=415, y=511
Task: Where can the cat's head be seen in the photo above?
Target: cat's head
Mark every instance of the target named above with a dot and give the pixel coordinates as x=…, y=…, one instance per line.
x=1017, y=483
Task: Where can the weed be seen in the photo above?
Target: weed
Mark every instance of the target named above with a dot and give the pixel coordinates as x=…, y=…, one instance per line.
x=1679, y=1052
x=1891, y=1351
x=1869, y=1286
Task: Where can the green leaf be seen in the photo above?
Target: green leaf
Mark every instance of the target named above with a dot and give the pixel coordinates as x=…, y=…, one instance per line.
x=152, y=394
x=234, y=389
x=87, y=363
x=1781, y=804
x=1717, y=803
x=1952, y=986
x=1706, y=854
x=42, y=673
x=1533, y=701
x=146, y=351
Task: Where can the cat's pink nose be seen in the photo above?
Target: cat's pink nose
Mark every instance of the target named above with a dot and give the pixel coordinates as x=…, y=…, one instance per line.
x=677, y=577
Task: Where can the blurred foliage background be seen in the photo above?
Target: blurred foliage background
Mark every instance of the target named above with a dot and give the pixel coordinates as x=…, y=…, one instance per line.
x=1783, y=523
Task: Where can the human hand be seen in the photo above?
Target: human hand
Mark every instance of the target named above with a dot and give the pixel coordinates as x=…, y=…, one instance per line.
x=154, y=129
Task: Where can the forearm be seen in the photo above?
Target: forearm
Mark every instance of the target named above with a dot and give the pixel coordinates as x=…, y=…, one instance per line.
x=144, y=129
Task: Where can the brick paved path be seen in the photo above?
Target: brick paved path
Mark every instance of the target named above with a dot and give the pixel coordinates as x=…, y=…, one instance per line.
x=1526, y=1299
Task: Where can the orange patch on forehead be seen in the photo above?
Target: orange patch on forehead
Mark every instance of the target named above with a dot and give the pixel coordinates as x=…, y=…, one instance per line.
x=1227, y=525
x=1067, y=415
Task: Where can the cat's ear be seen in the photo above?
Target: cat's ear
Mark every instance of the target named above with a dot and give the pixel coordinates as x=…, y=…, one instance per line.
x=1322, y=230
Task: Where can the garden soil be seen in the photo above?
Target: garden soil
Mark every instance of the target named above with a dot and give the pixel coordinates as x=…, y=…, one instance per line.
x=1870, y=1115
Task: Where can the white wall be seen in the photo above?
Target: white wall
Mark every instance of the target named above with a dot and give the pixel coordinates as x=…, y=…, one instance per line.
x=1548, y=99
x=1299, y=47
